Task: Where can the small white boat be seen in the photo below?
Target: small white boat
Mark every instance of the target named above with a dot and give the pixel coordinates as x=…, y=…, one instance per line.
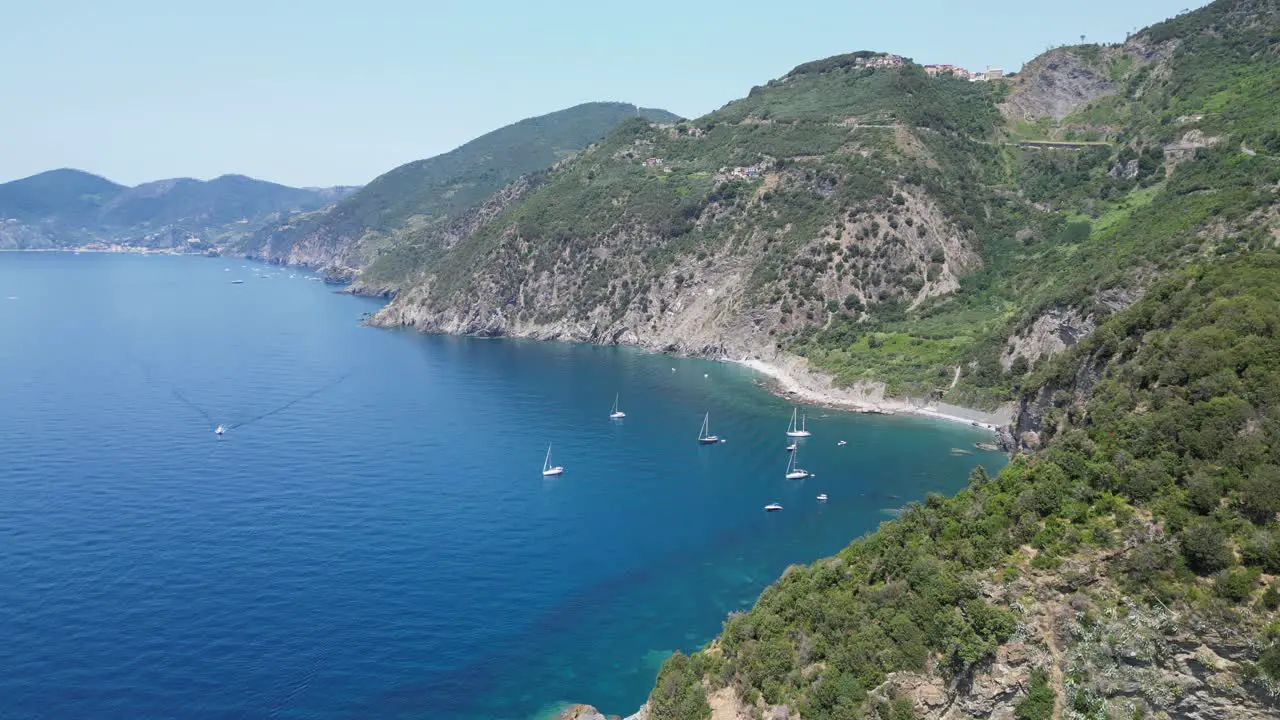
x=615, y=413
x=237, y=282
x=547, y=469
x=792, y=447
x=841, y=443
x=772, y=507
x=220, y=430
x=796, y=473
x=703, y=437
x=822, y=497
x=794, y=430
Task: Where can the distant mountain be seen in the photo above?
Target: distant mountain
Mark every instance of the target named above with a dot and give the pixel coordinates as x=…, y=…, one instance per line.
x=72, y=194
x=71, y=207
x=425, y=194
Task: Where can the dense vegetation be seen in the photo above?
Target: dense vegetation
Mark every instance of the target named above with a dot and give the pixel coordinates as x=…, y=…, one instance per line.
x=411, y=198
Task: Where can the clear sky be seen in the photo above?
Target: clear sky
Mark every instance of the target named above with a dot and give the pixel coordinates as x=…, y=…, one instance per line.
x=336, y=92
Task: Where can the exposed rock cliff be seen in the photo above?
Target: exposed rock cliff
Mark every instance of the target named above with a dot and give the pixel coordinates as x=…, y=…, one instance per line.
x=1055, y=85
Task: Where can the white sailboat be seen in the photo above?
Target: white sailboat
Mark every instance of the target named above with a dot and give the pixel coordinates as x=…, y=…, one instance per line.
x=615, y=413
x=796, y=473
x=703, y=437
x=797, y=431
x=547, y=469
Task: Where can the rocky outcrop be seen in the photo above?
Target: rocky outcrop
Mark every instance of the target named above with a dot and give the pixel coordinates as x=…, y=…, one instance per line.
x=1055, y=85
x=583, y=712
x=1056, y=329
x=1185, y=148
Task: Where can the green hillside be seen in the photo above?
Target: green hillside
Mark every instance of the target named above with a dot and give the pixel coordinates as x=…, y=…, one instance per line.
x=75, y=194
x=425, y=193
x=887, y=226
x=1130, y=566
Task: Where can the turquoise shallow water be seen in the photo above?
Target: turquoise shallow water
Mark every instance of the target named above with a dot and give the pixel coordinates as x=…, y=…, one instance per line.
x=385, y=546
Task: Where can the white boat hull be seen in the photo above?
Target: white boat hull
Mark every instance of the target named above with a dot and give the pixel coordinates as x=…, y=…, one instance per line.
x=552, y=472
x=617, y=415
x=799, y=433
x=799, y=475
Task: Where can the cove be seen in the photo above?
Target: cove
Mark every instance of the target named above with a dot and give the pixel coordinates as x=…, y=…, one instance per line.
x=385, y=546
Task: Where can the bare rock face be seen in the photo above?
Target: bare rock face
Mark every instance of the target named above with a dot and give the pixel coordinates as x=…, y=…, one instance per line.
x=1185, y=148
x=1055, y=85
x=581, y=712
x=1055, y=330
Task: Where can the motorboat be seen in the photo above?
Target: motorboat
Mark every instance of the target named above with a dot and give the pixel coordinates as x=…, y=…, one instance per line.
x=772, y=507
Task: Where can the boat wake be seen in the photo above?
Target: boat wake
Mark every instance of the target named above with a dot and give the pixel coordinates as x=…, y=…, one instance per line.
x=221, y=428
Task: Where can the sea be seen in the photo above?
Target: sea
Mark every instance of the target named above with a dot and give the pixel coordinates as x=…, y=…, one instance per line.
x=372, y=536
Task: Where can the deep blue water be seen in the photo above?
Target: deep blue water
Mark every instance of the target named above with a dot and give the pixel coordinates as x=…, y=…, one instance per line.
x=385, y=547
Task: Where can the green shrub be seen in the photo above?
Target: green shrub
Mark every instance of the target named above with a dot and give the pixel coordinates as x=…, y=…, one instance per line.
x=1235, y=585
x=678, y=693
x=1040, y=700
x=1204, y=545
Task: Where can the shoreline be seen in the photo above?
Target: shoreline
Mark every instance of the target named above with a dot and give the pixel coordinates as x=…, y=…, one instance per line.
x=869, y=399
x=797, y=382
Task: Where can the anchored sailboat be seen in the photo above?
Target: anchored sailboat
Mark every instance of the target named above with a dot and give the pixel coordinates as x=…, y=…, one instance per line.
x=703, y=436
x=615, y=413
x=547, y=469
x=796, y=473
x=797, y=431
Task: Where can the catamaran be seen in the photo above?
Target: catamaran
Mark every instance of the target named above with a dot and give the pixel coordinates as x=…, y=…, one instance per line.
x=547, y=469
x=703, y=437
x=796, y=473
x=797, y=431
x=615, y=413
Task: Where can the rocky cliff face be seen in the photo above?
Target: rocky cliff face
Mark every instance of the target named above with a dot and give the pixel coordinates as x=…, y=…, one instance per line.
x=1055, y=85
x=711, y=301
